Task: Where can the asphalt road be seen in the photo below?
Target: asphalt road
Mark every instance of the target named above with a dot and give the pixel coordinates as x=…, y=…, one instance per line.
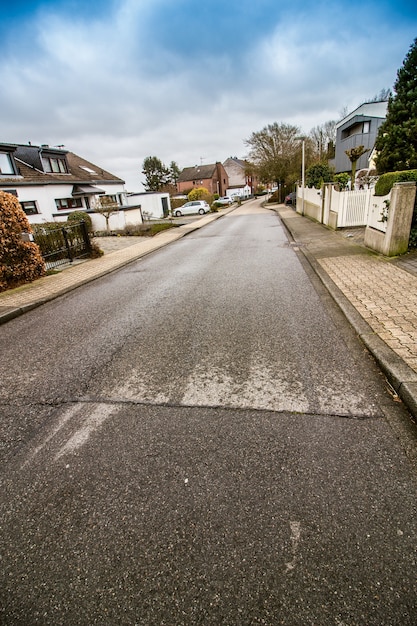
x=200, y=438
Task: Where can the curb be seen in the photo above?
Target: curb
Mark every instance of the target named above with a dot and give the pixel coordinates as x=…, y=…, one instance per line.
x=178, y=233
x=400, y=376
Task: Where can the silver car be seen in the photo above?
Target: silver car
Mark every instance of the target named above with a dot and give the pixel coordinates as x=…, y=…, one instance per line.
x=193, y=207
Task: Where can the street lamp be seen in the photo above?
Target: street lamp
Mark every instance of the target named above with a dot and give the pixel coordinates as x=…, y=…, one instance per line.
x=303, y=139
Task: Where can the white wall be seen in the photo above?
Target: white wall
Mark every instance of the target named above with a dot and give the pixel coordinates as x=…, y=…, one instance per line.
x=244, y=191
x=150, y=202
x=45, y=196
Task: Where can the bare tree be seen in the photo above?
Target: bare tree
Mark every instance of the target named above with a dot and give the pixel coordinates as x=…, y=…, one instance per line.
x=324, y=138
x=106, y=206
x=274, y=151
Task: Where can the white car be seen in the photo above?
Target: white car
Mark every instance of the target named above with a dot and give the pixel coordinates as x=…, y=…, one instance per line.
x=225, y=200
x=191, y=208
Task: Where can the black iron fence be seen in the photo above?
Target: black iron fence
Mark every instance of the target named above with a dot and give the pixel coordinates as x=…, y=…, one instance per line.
x=62, y=245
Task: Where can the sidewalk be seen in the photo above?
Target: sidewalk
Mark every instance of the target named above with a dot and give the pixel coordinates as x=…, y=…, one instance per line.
x=17, y=301
x=377, y=295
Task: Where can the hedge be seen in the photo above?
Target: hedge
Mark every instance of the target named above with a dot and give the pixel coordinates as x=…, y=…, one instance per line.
x=386, y=181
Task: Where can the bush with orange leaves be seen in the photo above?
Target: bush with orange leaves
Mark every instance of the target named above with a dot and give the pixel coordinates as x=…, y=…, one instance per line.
x=20, y=261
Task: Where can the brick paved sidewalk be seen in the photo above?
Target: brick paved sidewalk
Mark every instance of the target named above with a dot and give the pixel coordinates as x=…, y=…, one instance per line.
x=382, y=293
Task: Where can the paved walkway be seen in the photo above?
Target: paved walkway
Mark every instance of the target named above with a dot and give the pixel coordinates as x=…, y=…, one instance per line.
x=377, y=295
x=17, y=301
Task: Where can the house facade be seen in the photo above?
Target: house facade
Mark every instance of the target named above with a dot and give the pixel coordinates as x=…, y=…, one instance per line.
x=50, y=183
x=154, y=204
x=240, y=181
x=213, y=177
x=359, y=128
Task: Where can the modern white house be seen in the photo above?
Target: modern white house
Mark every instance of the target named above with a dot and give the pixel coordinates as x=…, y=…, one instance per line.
x=358, y=128
x=50, y=183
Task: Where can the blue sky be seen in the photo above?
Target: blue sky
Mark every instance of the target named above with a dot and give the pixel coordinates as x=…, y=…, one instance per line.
x=188, y=80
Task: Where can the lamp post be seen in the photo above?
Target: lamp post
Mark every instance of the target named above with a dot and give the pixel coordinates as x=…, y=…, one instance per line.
x=303, y=140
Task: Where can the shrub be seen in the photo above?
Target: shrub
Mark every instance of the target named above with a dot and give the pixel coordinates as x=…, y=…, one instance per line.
x=386, y=181
x=200, y=193
x=318, y=174
x=274, y=197
x=20, y=261
x=80, y=216
x=177, y=202
x=342, y=180
x=144, y=230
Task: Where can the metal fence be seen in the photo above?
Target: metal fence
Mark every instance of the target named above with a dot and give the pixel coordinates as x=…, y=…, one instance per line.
x=60, y=246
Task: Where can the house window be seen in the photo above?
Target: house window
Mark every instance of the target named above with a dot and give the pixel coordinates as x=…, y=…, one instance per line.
x=366, y=127
x=29, y=207
x=54, y=165
x=6, y=164
x=62, y=204
x=116, y=198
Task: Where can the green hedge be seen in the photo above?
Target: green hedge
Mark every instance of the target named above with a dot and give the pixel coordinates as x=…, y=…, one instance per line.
x=81, y=216
x=386, y=181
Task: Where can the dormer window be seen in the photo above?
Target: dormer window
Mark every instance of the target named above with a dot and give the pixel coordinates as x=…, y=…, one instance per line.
x=55, y=165
x=6, y=164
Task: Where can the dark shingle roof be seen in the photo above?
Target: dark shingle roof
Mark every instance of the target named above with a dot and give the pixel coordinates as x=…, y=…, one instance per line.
x=197, y=172
x=27, y=159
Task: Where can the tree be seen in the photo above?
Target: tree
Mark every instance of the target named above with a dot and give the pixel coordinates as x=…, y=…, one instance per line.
x=276, y=153
x=354, y=155
x=106, y=206
x=324, y=139
x=173, y=173
x=20, y=260
x=382, y=96
x=318, y=174
x=156, y=174
x=396, y=142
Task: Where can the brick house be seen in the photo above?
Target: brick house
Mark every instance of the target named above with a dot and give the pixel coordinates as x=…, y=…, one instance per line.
x=240, y=181
x=213, y=177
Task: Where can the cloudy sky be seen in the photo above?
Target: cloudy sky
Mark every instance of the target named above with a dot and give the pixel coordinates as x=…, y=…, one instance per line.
x=188, y=80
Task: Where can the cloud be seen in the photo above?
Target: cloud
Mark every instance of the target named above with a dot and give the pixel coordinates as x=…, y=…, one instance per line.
x=184, y=81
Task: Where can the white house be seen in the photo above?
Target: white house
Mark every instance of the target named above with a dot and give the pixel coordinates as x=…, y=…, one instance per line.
x=50, y=183
x=154, y=205
x=359, y=128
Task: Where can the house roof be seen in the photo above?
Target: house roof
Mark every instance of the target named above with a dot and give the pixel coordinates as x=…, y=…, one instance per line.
x=241, y=162
x=369, y=109
x=28, y=161
x=198, y=171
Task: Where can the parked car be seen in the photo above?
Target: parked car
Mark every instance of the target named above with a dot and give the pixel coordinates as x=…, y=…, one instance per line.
x=227, y=200
x=193, y=207
x=291, y=198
